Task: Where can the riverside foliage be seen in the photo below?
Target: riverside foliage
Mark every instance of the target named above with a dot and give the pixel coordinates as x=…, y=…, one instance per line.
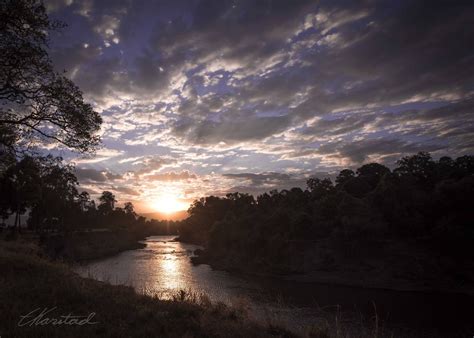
x=422, y=203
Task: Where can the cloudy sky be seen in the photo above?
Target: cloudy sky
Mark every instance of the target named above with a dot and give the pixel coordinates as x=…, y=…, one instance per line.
x=207, y=97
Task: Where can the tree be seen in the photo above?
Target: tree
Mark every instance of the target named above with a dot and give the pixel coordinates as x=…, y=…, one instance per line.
x=344, y=176
x=445, y=167
x=319, y=188
x=358, y=186
x=465, y=165
x=60, y=202
x=7, y=188
x=37, y=104
x=84, y=200
x=107, y=202
x=420, y=166
x=372, y=172
x=21, y=181
x=129, y=209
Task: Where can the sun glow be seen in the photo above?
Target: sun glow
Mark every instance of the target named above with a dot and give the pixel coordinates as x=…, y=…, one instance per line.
x=168, y=204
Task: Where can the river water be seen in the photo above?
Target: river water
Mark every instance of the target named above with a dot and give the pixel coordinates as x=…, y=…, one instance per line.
x=163, y=267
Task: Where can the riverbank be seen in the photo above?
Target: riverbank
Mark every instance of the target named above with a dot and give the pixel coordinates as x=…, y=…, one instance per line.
x=32, y=284
x=407, y=268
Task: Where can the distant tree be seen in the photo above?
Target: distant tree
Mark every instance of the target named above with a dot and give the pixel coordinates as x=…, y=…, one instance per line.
x=21, y=181
x=465, y=165
x=38, y=104
x=344, y=176
x=60, y=202
x=372, y=173
x=445, y=168
x=107, y=202
x=7, y=189
x=358, y=186
x=421, y=166
x=320, y=188
x=129, y=209
x=264, y=201
x=241, y=203
x=353, y=220
x=84, y=200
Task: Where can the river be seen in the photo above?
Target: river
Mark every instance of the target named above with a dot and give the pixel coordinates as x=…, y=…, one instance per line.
x=163, y=267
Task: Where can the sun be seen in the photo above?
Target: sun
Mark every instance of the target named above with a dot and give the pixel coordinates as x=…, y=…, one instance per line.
x=168, y=204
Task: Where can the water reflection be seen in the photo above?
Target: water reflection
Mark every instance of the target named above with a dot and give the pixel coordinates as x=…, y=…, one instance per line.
x=163, y=268
x=169, y=271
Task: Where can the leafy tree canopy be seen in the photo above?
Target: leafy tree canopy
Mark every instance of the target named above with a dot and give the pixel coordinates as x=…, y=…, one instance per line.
x=37, y=104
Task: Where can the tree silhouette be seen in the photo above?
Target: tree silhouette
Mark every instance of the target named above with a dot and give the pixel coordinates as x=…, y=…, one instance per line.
x=372, y=173
x=420, y=166
x=344, y=176
x=424, y=200
x=129, y=209
x=319, y=188
x=22, y=185
x=58, y=198
x=107, y=202
x=38, y=104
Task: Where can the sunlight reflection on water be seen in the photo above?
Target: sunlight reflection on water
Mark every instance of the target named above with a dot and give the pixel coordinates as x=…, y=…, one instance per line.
x=164, y=268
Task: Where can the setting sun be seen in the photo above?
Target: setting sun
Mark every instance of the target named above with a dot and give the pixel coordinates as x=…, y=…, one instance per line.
x=168, y=204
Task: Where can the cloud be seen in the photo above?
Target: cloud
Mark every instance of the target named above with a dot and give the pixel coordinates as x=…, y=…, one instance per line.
x=359, y=151
x=151, y=164
x=171, y=176
x=287, y=87
x=260, y=178
x=230, y=131
x=256, y=184
x=54, y=5
x=93, y=175
x=126, y=190
x=103, y=154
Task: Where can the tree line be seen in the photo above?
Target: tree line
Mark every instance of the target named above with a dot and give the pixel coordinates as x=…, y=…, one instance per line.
x=420, y=200
x=46, y=189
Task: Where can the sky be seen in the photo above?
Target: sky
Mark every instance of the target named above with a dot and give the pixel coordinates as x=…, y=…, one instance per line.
x=210, y=97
